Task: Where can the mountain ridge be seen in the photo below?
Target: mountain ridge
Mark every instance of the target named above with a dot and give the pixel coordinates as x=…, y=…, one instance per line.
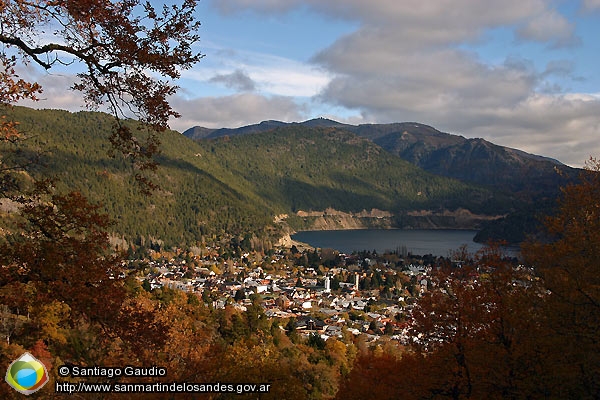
x=199, y=132
x=471, y=160
x=237, y=184
x=533, y=181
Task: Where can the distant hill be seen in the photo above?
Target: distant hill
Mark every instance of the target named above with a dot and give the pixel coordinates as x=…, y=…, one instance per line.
x=206, y=133
x=532, y=181
x=472, y=160
x=476, y=161
x=198, y=197
x=198, y=132
x=319, y=176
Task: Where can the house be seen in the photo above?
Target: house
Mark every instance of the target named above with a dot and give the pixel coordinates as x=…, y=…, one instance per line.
x=334, y=331
x=310, y=325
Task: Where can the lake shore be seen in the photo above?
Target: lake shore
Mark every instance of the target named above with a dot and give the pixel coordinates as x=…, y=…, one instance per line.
x=438, y=242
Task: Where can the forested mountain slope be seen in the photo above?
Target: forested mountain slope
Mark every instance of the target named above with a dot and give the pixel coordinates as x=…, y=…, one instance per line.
x=477, y=161
x=531, y=182
x=238, y=184
x=312, y=169
x=197, y=195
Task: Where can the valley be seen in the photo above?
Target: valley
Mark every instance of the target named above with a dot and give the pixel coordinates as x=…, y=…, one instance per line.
x=322, y=174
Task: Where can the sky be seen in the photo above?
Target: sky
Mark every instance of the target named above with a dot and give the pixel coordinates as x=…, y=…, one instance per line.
x=519, y=73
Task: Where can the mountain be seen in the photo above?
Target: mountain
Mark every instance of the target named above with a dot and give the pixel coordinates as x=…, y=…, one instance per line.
x=198, y=132
x=198, y=196
x=309, y=169
x=239, y=183
x=207, y=133
x=531, y=182
x=472, y=160
x=477, y=161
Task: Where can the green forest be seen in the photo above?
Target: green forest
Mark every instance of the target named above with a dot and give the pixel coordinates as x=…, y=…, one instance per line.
x=197, y=195
x=232, y=185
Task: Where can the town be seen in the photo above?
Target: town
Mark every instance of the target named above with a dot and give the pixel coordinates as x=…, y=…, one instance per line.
x=313, y=292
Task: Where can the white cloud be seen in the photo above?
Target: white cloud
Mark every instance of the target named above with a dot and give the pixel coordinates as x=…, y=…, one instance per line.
x=403, y=64
x=212, y=112
x=302, y=82
x=591, y=5
x=234, y=111
x=236, y=6
x=442, y=12
x=270, y=75
x=56, y=89
x=549, y=27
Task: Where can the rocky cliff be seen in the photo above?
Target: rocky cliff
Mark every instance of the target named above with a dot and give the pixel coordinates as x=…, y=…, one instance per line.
x=331, y=219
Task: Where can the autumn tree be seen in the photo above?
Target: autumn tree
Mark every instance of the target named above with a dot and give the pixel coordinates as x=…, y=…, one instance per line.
x=118, y=50
x=376, y=377
x=60, y=280
x=569, y=264
x=489, y=328
x=473, y=332
x=61, y=252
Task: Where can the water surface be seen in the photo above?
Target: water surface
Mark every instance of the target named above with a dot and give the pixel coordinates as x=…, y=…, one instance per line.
x=420, y=242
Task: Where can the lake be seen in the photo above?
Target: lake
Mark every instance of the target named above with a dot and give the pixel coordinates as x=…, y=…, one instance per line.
x=420, y=242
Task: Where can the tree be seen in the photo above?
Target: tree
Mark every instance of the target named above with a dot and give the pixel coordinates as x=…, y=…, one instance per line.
x=114, y=47
x=373, y=326
x=389, y=328
x=56, y=262
x=239, y=295
x=62, y=253
x=315, y=340
x=146, y=285
x=570, y=268
x=335, y=283
x=477, y=329
x=375, y=377
x=59, y=245
x=9, y=323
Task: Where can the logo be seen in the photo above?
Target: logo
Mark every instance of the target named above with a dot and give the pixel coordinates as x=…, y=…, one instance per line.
x=27, y=374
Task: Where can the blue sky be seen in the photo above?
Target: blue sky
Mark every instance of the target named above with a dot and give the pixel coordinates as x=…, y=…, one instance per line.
x=520, y=73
